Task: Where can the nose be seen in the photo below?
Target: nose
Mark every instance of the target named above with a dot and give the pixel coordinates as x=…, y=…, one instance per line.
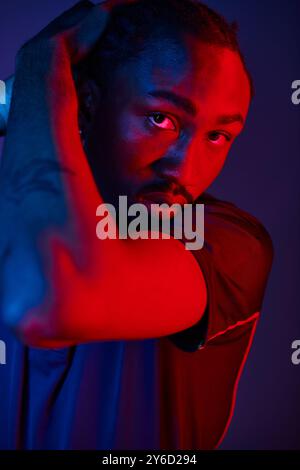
x=178, y=164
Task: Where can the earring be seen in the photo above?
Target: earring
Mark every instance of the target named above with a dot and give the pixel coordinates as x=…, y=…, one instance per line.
x=82, y=138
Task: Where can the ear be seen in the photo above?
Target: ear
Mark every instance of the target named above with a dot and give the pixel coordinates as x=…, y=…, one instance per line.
x=89, y=95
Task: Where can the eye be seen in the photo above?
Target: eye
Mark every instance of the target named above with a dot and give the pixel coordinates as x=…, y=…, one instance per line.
x=219, y=138
x=162, y=121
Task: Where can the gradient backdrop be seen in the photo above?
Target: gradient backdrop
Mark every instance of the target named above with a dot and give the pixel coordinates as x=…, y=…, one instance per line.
x=261, y=176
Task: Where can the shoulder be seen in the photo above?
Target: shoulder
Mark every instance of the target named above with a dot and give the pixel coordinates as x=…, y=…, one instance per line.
x=236, y=259
x=234, y=237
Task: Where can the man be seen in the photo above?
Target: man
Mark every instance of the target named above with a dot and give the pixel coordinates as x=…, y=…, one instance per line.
x=124, y=343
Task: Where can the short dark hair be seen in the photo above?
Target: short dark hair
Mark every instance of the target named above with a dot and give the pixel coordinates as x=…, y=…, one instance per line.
x=131, y=24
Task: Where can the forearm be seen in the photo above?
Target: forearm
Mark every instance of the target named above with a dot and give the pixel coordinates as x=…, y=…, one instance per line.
x=92, y=289
x=44, y=169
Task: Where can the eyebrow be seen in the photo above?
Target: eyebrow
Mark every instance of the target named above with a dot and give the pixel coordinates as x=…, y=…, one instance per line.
x=178, y=100
x=230, y=119
x=188, y=106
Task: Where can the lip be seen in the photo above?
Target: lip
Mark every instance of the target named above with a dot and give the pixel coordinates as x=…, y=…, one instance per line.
x=161, y=197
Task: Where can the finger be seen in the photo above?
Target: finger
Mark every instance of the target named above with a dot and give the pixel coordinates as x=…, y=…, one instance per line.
x=67, y=19
x=90, y=29
x=83, y=38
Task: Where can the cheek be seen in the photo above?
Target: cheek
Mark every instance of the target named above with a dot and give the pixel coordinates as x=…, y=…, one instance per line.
x=208, y=166
x=138, y=145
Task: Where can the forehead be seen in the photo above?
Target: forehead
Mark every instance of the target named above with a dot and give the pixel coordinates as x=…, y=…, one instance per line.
x=211, y=76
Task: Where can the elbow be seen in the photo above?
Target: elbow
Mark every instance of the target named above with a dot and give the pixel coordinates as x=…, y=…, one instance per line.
x=44, y=326
x=60, y=321
x=44, y=298
x=38, y=331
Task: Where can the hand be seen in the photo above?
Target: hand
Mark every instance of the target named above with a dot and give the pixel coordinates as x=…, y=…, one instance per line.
x=76, y=30
x=56, y=26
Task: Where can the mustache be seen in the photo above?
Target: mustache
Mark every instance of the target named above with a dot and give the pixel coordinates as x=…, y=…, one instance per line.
x=168, y=185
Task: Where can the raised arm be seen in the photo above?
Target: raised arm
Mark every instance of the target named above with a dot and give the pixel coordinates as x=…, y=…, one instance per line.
x=60, y=284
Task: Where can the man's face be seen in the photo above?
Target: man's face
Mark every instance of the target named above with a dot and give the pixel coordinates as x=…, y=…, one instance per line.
x=162, y=131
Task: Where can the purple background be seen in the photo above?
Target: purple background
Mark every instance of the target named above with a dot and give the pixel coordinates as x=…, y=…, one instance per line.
x=261, y=176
